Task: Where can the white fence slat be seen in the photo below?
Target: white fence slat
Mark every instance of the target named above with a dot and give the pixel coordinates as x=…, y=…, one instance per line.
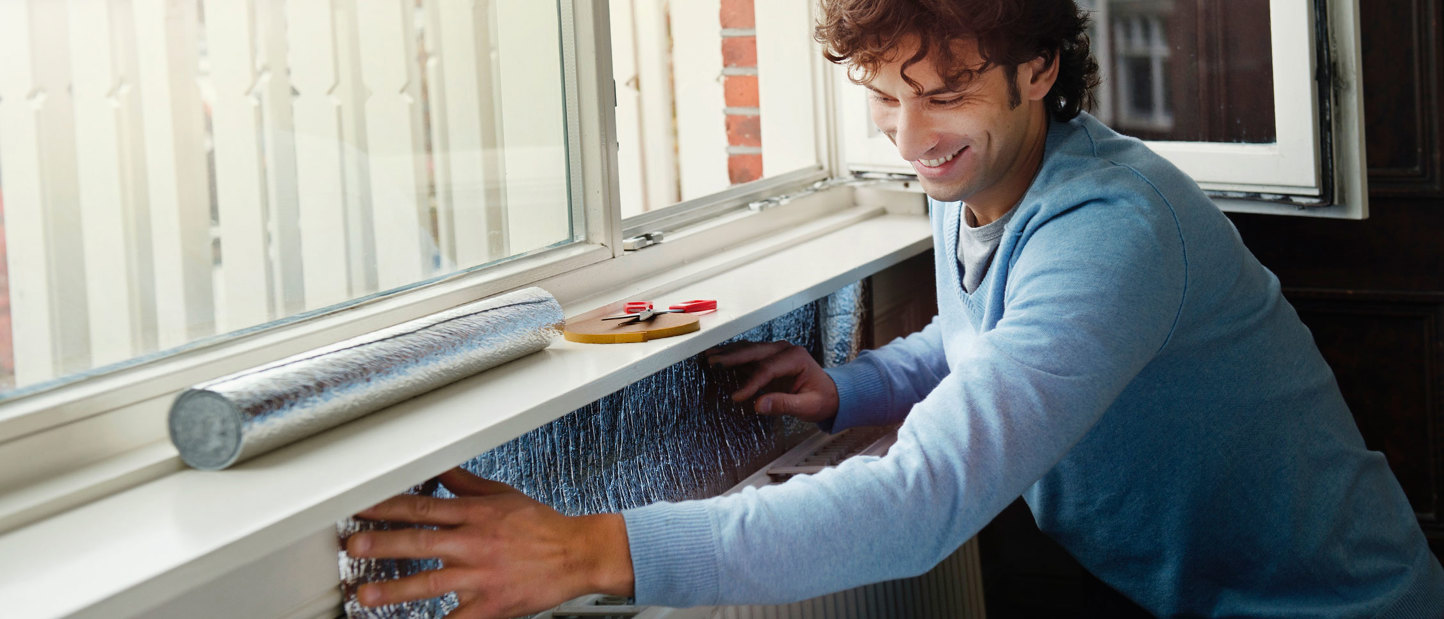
x=65, y=264
x=133, y=162
x=534, y=131
x=26, y=243
x=240, y=184
x=320, y=180
x=701, y=136
x=630, y=177
x=278, y=133
x=107, y=214
x=465, y=121
x=393, y=139
x=179, y=191
x=350, y=97
x=785, y=86
x=655, y=77
x=432, y=60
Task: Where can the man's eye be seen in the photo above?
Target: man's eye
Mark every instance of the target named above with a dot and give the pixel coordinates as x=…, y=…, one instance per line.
x=947, y=102
x=882, y=99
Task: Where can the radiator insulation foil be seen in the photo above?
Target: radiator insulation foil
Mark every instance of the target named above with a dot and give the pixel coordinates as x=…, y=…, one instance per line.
x=674, y=435
x=235, y=417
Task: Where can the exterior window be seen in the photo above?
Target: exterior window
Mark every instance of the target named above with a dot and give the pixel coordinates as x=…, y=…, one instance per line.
x=1140, y=79
x=174, y=171
x=711, y=95
x=1206, y=62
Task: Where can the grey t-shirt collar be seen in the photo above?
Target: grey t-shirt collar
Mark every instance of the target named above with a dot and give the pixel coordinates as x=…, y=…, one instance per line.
x=976, y=246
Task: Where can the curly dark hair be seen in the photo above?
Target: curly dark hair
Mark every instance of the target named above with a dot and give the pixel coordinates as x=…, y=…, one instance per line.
x=864, y=34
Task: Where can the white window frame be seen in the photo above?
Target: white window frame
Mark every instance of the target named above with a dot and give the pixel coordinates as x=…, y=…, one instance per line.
x=98, y=433
x=1290, y=166
x=1282, y=178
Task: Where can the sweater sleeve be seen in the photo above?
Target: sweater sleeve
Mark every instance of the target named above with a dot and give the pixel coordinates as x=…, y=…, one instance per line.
x=881, y=386
x=1089, y=305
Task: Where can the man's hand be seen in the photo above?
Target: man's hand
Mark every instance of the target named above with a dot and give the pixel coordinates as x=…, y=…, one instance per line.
x=795, y=383
x=504, y=554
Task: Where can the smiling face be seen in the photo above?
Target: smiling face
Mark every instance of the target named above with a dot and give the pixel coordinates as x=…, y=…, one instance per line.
x=970, y=142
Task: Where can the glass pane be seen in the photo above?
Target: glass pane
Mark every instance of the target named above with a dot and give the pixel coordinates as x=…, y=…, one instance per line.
x=710, y=94
x=171, y=170
x=1187, y=70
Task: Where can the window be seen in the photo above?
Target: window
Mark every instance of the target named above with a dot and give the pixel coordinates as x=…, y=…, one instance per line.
x=713, y=96
x=192, y=187
x=1257, y=100
x=171, y=171
x=1197, y=79
x=1140, y=85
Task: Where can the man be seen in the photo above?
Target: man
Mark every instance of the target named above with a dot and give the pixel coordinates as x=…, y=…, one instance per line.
x=1105, y=346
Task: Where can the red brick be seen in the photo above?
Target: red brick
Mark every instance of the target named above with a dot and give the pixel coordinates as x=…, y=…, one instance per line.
x=738, y=14
x=744, y=130
x=740, y=90
x=744, y=168
x=739, y=51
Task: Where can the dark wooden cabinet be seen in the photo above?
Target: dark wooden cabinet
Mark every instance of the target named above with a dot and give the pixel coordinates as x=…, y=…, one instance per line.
x=1372, y=291
x=1402, y=63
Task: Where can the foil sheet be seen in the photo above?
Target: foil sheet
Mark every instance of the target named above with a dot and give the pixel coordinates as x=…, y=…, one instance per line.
x=675, y=435
x=843, y=321
x=235, y=417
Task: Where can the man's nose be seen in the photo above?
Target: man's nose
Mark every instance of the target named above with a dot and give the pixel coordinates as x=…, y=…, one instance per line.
x=913, y=133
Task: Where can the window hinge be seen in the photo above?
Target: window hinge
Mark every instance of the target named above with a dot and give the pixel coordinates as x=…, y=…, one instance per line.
x=646, y=239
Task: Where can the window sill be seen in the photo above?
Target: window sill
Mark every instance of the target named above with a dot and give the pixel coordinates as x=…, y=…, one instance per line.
x=129, y=552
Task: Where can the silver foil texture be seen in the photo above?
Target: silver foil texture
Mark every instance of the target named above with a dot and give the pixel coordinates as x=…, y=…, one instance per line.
x=672, y=436
x=230, y=419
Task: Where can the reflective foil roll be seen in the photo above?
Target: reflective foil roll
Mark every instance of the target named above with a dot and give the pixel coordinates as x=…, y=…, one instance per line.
x=230, y=419
x=672, y=436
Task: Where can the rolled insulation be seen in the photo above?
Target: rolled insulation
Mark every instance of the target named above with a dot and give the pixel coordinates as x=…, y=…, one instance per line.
x=227, y=420
x=671, y=436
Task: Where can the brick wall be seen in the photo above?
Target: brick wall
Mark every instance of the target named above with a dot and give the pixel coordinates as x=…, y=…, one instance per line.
x=739, y=73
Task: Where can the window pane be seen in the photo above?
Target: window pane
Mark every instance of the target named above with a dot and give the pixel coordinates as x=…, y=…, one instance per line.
x=175, y=169
x=710, y=94
x=1187, y=70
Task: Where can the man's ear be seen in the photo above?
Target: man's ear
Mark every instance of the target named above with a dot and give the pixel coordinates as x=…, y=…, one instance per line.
x=1036, y=77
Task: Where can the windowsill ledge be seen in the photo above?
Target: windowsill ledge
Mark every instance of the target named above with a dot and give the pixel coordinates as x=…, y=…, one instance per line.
x=128, y=552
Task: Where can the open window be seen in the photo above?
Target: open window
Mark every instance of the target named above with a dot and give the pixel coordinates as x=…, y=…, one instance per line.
x=718, y=104
x=1257, y=100
x=189, y=188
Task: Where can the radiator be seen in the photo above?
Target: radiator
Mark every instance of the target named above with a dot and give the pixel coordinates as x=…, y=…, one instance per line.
x=952, y=589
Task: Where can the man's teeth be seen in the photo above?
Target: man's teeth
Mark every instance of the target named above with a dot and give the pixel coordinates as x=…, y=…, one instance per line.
x=933, y=163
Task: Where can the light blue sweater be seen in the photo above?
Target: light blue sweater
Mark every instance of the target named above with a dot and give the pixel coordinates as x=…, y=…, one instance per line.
x=1130, y=369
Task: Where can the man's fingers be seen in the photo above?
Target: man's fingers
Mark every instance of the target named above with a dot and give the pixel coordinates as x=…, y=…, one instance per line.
x=801, y=404
x=741, y=353
x=407, y=544
x=763, y=375
x=462, y=483
x=416, y=510
x=417, y=587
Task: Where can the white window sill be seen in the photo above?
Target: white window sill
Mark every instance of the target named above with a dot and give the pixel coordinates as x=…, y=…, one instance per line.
x=130, y=552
